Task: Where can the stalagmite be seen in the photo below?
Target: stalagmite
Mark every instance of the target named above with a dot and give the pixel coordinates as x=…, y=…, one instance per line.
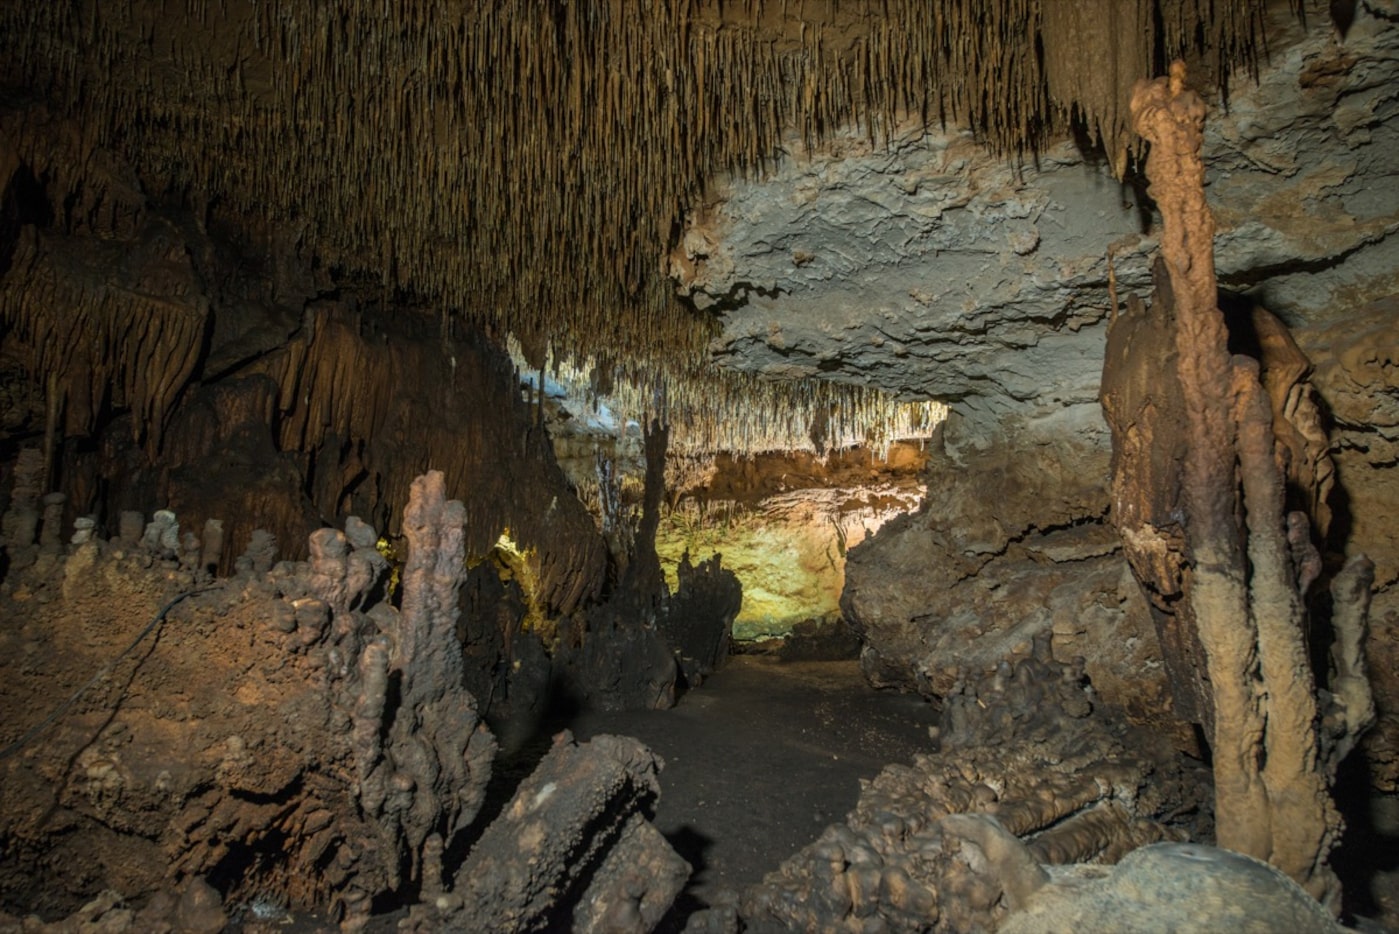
x=83, y=528
x=21, y=521
x=51, y=531
x=212, y=555
x=162, y=533
x=1241, y=563
x=435, y=753
x=130, y=527
x=261, y=552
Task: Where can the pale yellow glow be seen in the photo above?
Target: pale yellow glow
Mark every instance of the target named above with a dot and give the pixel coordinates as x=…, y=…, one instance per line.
x=521, y=565
x=792, y=568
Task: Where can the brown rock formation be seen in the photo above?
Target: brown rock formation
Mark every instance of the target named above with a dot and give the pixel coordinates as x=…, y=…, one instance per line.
x=131, y=320
x=1201, y=500
x=171, y=767
x=1011, y=542
x=936, y=845
x=165, y=780
x=1357, y=373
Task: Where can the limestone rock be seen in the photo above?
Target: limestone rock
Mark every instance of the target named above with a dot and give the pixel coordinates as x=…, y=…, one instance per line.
x=931, y=268
x=1010, y=543
x=551, y=850
x=200, y=909
x=1171, y=887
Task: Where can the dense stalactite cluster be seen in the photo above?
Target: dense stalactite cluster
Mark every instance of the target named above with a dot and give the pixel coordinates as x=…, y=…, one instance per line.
x=734, y=412
x=353, y=401
x=117, y=324
x=527, y=162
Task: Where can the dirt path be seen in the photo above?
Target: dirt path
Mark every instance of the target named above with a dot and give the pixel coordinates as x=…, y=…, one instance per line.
x=762, y=758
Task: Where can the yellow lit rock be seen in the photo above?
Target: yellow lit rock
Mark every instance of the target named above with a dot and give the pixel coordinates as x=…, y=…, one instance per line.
x=783, y=524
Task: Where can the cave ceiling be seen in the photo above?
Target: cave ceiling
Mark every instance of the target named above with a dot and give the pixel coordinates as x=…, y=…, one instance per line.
x=930, y=267
x=874, y=195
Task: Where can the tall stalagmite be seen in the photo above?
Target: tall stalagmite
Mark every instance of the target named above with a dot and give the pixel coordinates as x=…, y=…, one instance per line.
x=1236, y=561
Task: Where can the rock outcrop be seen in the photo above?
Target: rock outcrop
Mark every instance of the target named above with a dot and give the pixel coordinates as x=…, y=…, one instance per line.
x=1011, y=543
x=940, y=844
x=289, y=737
x=573, y=850
x=1357, y=374
x=1171, y=887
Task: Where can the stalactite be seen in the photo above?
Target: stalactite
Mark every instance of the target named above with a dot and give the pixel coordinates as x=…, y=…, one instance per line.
x=524, y=163
x=100, y=343
x=743, y=414
x=360, y=400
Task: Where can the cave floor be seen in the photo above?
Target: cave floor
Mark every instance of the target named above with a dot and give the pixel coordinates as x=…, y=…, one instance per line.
x=758, y=761
x=761, y=758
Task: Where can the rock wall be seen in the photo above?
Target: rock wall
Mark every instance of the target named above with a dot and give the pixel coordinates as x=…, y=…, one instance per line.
x=209, y=361
x=1357, y=375
x=1012, y=542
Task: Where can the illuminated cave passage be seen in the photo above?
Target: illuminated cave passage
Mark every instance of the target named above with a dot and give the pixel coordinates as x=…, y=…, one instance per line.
x=783, y=524
x=765, y=466
x=780, y=506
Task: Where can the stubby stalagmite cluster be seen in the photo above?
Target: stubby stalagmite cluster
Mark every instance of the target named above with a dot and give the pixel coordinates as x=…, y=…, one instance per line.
x=166, y=774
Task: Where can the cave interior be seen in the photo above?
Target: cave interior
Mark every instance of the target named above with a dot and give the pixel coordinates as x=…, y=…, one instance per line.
x=416, y=418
